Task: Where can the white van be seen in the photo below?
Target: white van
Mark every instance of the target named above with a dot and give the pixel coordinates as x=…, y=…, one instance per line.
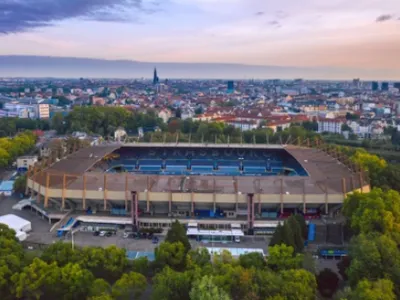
x=237, y=239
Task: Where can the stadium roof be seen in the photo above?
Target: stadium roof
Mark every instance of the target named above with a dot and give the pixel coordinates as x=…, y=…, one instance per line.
x=325, y=175
x=80, y=161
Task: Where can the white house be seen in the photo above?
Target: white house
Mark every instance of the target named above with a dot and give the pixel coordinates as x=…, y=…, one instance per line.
x=24, y=162
x=244, y=125
x=165, y=114
x=330, y=125
x=119, y=134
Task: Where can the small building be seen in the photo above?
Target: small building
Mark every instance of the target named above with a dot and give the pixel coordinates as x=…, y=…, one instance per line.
x=119, y=134
x=18, y=224
x=330, y=125
x=165, y=114
x=24, y=162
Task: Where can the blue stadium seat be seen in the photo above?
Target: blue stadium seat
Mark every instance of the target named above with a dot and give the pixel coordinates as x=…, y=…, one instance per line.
x=228, y=162
x=252, y=163
x=202, y=169
x=174, y=168
x=176, y=162
x=150, y=168
x=254, y=170
x=150, y=162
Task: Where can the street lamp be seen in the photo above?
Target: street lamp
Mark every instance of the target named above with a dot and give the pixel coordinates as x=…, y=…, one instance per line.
x=72, y=238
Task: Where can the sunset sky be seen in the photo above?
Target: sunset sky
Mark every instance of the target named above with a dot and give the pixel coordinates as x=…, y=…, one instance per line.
x=339, y=33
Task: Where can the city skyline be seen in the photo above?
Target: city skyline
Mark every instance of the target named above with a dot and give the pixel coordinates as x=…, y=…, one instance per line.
x=362, y=35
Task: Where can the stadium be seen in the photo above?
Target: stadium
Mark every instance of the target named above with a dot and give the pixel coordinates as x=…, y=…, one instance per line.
x=214, y=186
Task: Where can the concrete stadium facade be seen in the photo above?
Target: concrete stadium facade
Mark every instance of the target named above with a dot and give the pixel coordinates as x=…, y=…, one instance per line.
x=73, y=184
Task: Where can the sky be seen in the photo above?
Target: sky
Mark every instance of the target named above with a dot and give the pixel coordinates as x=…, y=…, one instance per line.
x=335, y=33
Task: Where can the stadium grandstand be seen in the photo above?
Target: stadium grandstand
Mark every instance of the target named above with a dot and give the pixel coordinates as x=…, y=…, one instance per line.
x=214, y=185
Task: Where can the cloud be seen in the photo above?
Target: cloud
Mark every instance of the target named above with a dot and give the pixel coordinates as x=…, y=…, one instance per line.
x=384, y=18
x=23, y=15
x=260, y=13
x=280, y=14
x=275, y=24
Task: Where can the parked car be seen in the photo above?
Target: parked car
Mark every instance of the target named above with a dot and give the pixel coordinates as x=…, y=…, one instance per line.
x=96, y=233
x=150, y=236
x=237, y=239
x=102, y=233
x=127, y=234
x=109, y=233
x=155, y=240
x=132, y=235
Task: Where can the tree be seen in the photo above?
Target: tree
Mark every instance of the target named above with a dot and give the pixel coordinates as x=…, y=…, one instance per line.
x=390, y=177
x=310, y=126
x=129, y=286
x=58, y=123
x=39, y=280
x=178, y=113
x=284, y=235
x=107, y=263
x=342, y=266
x=171, y=254
x=375, y=211
x=7, y=233
x=141, y=265
x=205, y=289
x=101, y=297
x=4, y=157
x=371, y=164
x=172, y=285
x=374, y=256
x=74, y=282
x=174, y=125
x=198, y=110
x=201, y=257
x=244, y=286
x=252, y=260
x=269, y=284
x=381, y=289
x=98, y=288
x=20, y=184
x=277, y=238
x=63, y=101
x=297, y=234
x=327, y=282
x=298, y=284
x=61, y=253
x=177, y=233
x=303, y=225
x=346, y=127
x=11, y=260
x=282, y=257
x=352, y=117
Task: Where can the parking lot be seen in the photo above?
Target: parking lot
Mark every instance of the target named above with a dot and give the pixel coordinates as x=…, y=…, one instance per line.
x=130, y=244
x=146, y=245
x=40, y=227
x=41, y=234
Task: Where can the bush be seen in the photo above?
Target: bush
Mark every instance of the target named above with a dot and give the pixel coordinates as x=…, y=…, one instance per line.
x=327, y=282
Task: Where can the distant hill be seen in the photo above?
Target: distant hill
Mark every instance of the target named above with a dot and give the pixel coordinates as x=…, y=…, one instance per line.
x=68, y=67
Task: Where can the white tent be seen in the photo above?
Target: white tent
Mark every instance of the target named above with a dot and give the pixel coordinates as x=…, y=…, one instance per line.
x=20, y=225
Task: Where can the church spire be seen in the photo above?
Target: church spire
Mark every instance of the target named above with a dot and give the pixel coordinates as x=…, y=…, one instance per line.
x=155, y=77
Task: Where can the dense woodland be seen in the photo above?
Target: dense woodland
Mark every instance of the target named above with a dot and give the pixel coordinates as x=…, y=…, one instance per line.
x=11, y=148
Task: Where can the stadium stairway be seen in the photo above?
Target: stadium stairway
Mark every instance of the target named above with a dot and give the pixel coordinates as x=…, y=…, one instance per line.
x=334, y=234
x=320, y=234
x=62, y=222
